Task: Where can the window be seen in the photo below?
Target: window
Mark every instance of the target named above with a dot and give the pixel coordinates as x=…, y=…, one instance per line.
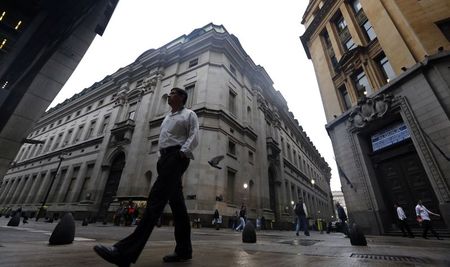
x=78, y=134
x=90, y=131
x=444, y=26
x=59, y=180
x=345, y=98
x=100, y=103
x=190, y=92
x=58, y=140
x=344, y=34
x=232, y=69
x=88, y=108
x=71, y=184
x=154, y=146
x=78, y=113
x=59, y=122
x=250, y=157
x=68, y=117
x=132, y=111
x=84, y=185
x=104, y=125
x=362, y=84
x=330, y=51
x=193, y=62
x=51, y=126
x=232, y=102
x=139, y=83
x=385, y=67
x=231, y=148
x=47, y=146
x=363, y=21
x=249, y=115
x=67, y=138
x=231, y=183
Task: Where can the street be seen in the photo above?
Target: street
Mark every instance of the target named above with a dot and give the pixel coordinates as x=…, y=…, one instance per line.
x=27, y=245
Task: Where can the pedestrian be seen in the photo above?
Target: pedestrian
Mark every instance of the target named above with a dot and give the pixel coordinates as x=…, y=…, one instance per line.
x=402, y=222
x=301, y=212
x=235, y=219
x=258, y=223
x=423, y=217
x=217, y=220
x=177, y=139
x=342, y=218
x=242, y=218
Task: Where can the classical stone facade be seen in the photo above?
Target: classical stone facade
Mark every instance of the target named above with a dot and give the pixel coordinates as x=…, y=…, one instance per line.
x=382, y=69
x=106, y=139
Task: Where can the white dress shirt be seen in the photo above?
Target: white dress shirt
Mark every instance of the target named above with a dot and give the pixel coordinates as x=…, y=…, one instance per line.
x=180, y=128
x=401, y=214
x=423, y=212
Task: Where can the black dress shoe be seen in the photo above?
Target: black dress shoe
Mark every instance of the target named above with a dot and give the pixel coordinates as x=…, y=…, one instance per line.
x=174, y=257
x=111, y=255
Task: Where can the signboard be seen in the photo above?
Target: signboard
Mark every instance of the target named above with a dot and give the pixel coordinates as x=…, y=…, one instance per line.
x=389, y=136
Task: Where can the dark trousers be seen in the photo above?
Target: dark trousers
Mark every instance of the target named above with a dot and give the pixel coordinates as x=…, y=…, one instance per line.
x=426, y=224
x=302, y=223
x=403, y=225
x=167, y=188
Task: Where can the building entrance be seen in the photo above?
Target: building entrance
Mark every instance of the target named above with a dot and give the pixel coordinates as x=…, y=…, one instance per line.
x=111, y=185
x=402, y=179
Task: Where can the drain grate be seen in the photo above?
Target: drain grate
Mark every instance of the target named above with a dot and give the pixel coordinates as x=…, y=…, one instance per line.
x=389, y=258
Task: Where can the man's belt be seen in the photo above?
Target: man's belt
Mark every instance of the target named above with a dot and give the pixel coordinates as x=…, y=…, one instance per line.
x=170, y=149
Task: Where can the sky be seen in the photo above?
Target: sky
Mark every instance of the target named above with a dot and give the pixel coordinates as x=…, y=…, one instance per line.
x=268, y=30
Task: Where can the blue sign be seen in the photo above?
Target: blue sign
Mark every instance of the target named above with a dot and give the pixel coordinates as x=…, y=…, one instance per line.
x=389, y=136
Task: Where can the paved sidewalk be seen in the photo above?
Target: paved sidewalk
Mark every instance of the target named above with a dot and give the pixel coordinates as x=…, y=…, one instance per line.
x=27, y=245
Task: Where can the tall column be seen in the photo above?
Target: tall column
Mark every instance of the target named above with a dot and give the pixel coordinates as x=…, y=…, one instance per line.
x=61, y=192
x=34, y=184
x=12, y=190
x=78, y=183
x=24, y=189
x=5, y=191
x=43, y=188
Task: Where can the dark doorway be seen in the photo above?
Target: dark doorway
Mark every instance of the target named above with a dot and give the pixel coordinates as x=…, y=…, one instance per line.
x=402, y=179
x=111, y=185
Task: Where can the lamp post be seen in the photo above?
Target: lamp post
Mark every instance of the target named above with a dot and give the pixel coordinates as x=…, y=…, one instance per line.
x=244, y=193
x=41, y=209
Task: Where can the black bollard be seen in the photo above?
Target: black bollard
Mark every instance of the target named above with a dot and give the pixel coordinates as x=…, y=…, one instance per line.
x=64, y=232
x=15, y=220
x=85, y=222
x=249, y=233
x=357, y=237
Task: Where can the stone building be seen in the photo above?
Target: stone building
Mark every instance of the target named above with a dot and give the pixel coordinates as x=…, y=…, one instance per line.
x=338, y=197
x=41, y=44
x=383, y=74
x=106, y=139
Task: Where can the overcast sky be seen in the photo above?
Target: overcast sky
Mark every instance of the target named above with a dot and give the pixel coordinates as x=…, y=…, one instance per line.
x=268, y=31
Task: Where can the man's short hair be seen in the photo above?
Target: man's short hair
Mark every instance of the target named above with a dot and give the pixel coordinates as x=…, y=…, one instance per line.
x=181, y=92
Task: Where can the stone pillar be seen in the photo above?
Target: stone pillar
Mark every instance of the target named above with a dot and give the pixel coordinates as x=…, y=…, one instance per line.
x=43, y=188
x=5, y=191
x=34, y=186
x=78, y=183
x=352, y=24
x=335, y=40
x=66, y=180
x=26, y=186
x=12, y=190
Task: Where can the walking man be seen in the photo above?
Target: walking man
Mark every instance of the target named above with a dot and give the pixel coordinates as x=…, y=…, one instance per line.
x=423, y=215
x=301, y=212
x=402, y=223
x=177, y=140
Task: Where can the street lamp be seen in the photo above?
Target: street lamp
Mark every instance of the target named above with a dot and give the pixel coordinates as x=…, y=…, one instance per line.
x=41, y=209
x=245, y=185
x=313, y=181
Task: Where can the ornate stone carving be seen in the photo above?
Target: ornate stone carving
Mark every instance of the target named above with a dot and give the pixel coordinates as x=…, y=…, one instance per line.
x=370, y=109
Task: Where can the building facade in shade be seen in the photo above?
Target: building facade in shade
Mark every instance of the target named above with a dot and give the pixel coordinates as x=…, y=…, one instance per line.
x=41, y=44
x=383, y=72
x=106, y=139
